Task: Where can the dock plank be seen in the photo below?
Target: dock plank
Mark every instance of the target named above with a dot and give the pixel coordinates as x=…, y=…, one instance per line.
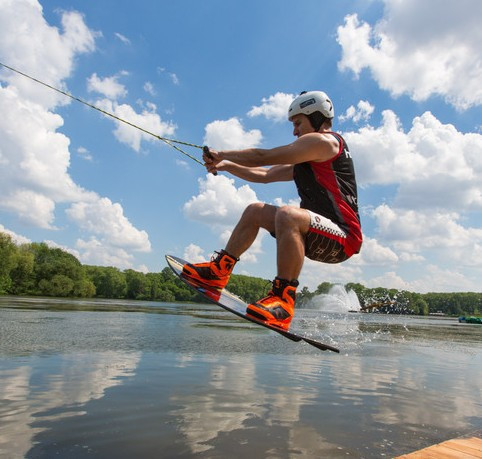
x=458, y=448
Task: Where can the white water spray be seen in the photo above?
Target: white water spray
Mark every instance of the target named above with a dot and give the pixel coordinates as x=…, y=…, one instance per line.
x=336, y=300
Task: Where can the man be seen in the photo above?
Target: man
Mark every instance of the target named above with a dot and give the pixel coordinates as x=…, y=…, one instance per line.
x=326, y=226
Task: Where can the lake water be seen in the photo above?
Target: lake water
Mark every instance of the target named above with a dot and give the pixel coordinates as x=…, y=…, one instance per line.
x=120, y=379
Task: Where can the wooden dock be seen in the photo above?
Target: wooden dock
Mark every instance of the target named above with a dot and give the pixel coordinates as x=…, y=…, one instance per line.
x=458, y=448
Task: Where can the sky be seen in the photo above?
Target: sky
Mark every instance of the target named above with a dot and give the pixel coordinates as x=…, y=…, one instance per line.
x=405, y=79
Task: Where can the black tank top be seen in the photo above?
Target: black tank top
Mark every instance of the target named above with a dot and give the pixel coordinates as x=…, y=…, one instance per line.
x=329, y=189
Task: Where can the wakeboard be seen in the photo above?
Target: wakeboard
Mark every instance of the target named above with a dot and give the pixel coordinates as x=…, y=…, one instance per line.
x=237, y=306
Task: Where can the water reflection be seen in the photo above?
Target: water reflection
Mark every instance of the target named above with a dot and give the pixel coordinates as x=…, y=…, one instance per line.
x=117, y=384
x=313, y=407
x=33, y=393
x=245, y=401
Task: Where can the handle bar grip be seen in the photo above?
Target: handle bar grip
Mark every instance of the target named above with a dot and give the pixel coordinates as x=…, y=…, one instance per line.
x=209, y=155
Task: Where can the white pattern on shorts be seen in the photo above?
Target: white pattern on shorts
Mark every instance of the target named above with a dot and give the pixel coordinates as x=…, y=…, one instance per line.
x=325, y=224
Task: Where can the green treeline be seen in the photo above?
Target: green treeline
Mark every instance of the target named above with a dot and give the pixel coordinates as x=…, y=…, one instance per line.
x=38, y=270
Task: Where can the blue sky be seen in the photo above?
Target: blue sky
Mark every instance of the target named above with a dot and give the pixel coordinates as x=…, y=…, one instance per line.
x=405, y=79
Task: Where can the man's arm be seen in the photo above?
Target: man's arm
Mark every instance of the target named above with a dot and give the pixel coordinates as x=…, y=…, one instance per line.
x=309, y=147
x=279, y=173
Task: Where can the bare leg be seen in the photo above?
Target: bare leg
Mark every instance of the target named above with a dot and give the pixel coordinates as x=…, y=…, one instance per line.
x=255, y=216
x=292, y=224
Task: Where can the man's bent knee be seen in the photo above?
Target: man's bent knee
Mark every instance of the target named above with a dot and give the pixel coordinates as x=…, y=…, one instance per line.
x=292, y=217
x=261, y=214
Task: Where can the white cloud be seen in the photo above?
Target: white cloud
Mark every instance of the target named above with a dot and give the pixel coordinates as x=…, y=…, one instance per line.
x=84, y=154
x=54, y=245
x=409, y=257
x=436, y=177
x=30, y=207
x=174, y=79
x=279, y=202
x=50, y=55
x=414, y=51
x=34, y=156
x=183, y=164
x=374, y=253
x=413, y=232
x=17, y=238
x=384, y=155
x=454, y=251
x=251, y=255
x=95, y=252
x=435, y=279
x=444, y=280
x=34, y=173
x=274, y=107
x=34, y=176
x=433, y=164
x=219, y=202
x=149, y=88
x=314, y=273
x=105, y=218
x=147, y=119
x=452, y=177
x=362, y=112
x=194, y=254
x=108, y=86
x=123, y=38
x=230, y=135
x=143, y=269
x=220, y=205
x=172, y=76
x=389, y=279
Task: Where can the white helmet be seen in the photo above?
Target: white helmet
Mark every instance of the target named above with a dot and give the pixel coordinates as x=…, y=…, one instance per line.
x=311, y=102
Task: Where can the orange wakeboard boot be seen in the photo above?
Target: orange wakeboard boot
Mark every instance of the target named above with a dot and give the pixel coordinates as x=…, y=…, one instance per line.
x=278, y=307
x=214, y=273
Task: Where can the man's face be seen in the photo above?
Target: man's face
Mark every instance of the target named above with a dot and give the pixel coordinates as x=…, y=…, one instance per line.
x=301, y=125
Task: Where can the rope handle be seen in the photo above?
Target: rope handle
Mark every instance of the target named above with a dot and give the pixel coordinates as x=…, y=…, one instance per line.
x=209, y=155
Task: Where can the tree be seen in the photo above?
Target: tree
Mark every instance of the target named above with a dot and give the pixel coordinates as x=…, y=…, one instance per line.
x=58, y=285
x=109, y=282
x=36, y=268
x=420, y=307
x=22, y=274
x=50, y=262
x=323, y=288
x=138, y=285
x=84, y=288
x=165, y=295
x=8, y=261
x=248, y=288
x=303, y=296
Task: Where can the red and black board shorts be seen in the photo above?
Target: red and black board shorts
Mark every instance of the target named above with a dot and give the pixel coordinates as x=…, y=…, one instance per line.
x=325, y=240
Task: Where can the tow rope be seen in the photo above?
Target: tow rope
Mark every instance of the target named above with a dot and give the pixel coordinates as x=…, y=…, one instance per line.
x=170, y=142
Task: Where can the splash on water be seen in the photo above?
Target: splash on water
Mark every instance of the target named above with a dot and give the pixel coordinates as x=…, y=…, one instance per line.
x=327, y=316
x=338, y=299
